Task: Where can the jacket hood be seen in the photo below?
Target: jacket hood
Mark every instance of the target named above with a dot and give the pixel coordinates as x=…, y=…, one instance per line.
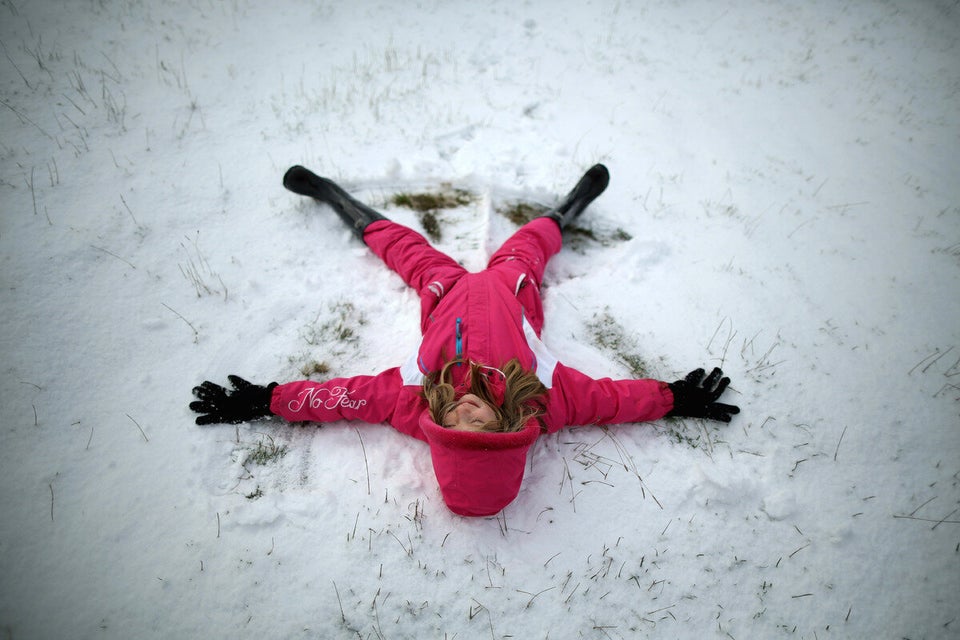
x=479, y=472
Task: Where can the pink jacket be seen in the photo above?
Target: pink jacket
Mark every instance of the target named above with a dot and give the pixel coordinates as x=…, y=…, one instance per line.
x=488, y=318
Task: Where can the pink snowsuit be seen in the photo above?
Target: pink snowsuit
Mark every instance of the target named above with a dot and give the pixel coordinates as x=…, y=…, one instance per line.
x=487, y=318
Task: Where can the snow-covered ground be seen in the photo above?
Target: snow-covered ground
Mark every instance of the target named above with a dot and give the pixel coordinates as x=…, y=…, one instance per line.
x=784, y=203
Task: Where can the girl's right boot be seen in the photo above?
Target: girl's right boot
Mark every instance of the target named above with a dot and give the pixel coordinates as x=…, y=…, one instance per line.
x=355, y=214
x=591, y=185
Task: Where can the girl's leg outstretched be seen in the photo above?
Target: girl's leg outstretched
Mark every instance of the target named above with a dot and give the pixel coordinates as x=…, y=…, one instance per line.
x=430, y=272
x=529, y=249
x=523, y=258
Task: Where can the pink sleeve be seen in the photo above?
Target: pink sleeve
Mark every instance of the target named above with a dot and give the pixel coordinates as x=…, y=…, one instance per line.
x=577, y=399
x=368, y=398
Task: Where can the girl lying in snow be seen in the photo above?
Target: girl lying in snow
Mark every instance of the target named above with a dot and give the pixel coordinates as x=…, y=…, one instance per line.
x=482, y=386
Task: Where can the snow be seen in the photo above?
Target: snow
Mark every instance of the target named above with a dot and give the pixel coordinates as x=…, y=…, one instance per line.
x=786, y=172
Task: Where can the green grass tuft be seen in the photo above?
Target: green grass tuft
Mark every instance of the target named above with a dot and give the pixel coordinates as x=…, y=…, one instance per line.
x=424, y=202
x=431, y=225
x=314, y=368
x=266, y=452
x=610, y=335
x=520, y=213
x=428, y=204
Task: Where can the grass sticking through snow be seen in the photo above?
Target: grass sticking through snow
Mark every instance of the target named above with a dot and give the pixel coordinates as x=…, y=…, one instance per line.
x=266, y=451
x=314, y=368
x=520, y=213
x=612, y=338
x=429, y=204
x=340, y=329
x=610, y=335
x=336, y=332
x=575, y=237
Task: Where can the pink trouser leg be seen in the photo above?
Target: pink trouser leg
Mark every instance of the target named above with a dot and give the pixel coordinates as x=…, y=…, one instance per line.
x=432, y=273
x=428, y=271
x=529, y=250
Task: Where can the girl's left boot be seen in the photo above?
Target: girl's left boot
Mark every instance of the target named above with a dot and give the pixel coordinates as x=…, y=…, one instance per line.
x=591, y=185
x=355, y=214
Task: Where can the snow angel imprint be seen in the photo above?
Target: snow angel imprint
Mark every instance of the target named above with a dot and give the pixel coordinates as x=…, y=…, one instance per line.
x=482, y=386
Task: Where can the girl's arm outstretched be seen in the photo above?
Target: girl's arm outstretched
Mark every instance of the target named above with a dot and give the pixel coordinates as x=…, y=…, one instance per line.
x=366, y=398
x=577, y=399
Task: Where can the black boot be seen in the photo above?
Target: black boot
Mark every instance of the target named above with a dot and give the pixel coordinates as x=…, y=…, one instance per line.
x=591, y=185
x=355, y=214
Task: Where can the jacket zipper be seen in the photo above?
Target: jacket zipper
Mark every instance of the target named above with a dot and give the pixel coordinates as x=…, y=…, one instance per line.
x=459, y=339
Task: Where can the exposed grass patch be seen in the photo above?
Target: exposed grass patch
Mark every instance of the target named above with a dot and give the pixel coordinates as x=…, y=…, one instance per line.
x=575, y=237
x=429, y=204
x=520, y=213
x=266, y=451
x=341, y=328
x=579, y=238
x=431, y=225
x=335, y=331
x=314, y=368
x=611, y=336
x=423, y=202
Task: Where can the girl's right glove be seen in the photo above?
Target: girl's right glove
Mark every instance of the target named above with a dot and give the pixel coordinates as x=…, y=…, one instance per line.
x=243, y=403
x=696, y=396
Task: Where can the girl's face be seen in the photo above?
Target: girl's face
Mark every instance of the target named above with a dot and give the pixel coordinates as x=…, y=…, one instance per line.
x=469, y=414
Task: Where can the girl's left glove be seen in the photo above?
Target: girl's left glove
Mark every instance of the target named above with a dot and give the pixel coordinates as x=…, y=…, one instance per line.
x=243, y=403
x=696, y=396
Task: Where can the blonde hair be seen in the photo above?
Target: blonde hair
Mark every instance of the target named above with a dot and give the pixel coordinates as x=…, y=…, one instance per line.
x=522, y=397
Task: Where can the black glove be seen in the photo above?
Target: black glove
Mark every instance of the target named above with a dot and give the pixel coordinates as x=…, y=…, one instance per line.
x=244, y=403
x=696, y=396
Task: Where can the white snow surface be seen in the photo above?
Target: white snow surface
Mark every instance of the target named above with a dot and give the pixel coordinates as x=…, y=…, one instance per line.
x=786, y=175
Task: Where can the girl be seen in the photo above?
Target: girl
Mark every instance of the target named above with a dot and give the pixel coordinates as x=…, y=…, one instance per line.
x=482, y=386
